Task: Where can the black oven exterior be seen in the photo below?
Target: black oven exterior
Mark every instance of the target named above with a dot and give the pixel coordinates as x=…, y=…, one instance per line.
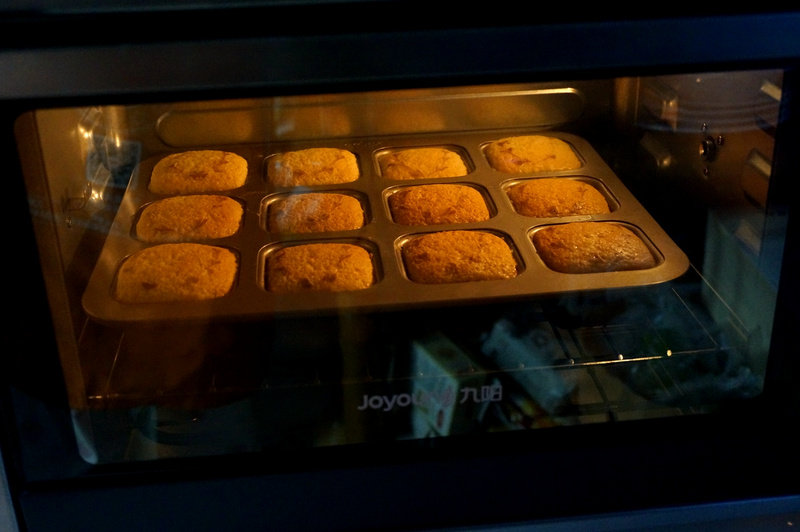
x=742, y=460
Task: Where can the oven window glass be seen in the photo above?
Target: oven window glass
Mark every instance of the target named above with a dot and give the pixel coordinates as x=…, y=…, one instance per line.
x=303, y=271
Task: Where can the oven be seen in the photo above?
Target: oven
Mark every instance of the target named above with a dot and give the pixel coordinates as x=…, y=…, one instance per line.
x=392, y=360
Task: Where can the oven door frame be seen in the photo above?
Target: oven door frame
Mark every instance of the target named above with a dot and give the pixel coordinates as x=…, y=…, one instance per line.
x=637, y=466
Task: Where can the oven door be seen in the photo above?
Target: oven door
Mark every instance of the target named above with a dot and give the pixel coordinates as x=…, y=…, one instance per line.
x=541, y=396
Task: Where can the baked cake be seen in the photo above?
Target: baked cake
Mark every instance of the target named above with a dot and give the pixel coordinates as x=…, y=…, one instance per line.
x=458, y=256
x=330, y=267
x=590, y=247
x=531, y=153
x=315, y=212
x=312, y=166
x=437, y=204
x=193, y=217
x=198, y=171
x=554, y=196
x=176, y=272
x=422, y=163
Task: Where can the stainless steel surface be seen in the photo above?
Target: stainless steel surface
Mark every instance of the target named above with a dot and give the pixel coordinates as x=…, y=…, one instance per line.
x=764, y=514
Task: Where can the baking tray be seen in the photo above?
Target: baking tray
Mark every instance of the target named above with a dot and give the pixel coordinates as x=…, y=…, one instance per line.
x=382, y=237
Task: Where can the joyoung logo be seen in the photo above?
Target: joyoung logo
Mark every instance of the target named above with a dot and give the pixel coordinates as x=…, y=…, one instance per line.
x=422, y=398
x=387, y=403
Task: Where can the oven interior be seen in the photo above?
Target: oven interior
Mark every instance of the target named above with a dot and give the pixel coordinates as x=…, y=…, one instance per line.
x=694, y=151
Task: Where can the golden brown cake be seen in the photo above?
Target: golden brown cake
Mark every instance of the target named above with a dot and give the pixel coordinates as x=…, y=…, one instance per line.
x=458, y=256
x=531, y=153
x=329, y=267
x=549, y=197
x=590, y=247
x=422, y=163
x=315, y=212
x=312, y=166
x=176, y=272
x=198, y=171
x=193, y=217
x=438, y=204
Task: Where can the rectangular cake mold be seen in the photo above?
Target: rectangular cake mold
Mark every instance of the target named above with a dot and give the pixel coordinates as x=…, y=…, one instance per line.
x=383, y=237
x=458, y=150
x=589, y=280
x=613, y=203
x=566, y=138
x=138, y=214
x=405, y=239
x=269, y=199
x=269, y=249
x=388, y=191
